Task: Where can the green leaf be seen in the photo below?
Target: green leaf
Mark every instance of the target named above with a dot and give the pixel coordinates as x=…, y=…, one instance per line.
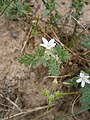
x=87, y=70
x=53, y=67
x=72, y=82
x=77, y=7
x=85, y=100
x=45, y=92
x=51, y=98
x=15, y=9
x=32, y=59
x=85, y=41
x=58, y=94
x=39, y=52
x=29, y=60
x=63, y=55
x=44, y=61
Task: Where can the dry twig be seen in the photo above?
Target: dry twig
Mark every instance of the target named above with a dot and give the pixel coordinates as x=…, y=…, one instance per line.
x=80, y=24
x=26, y=112
x=65, y=76
x=73, y=107
x=11, y=102
x=47, y=112
x=57, y=39
x=25, y=43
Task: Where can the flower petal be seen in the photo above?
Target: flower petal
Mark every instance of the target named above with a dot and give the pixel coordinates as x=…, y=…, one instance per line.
x=45, y=41
x=82, y=83
x=79, y=80
x=51, y=41
x=82, y=75
x=87, y=76
x=53, y=45
x=87, y=81
x=44, y=45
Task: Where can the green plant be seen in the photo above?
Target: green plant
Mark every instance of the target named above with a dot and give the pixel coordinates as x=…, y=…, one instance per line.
x=50, y=58
x=51, y=11
x=15, y=9
x=85, y=41
x=84, y=90
x=77, y=6
x=77, y=11
x=85, y=100
x=53, y=55
x=35, y=24
x=32, y=59
x=53, y=94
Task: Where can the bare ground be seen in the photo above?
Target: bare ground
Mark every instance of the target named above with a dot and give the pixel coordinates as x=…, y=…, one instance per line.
x=22, y=85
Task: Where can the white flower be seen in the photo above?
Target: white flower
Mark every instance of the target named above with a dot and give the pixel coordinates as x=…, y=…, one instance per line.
x=83, y=78
x=48, y=45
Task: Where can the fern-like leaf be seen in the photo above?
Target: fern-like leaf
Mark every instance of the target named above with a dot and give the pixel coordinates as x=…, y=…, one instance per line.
x=63, y=55
x=85, y=101
x=53, y=68
x=32, y=59
x=28, y=60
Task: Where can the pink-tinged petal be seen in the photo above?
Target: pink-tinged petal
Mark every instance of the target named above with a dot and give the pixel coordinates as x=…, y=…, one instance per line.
x=45, y=41
x=82, y=83
x=51, y=41
x=43, y=45
x=79, y=80
x=87, y=81
x=82, y=75
x=53, y=45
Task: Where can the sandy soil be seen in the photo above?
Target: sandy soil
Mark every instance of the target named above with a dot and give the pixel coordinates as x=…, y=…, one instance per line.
x=20, y=84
